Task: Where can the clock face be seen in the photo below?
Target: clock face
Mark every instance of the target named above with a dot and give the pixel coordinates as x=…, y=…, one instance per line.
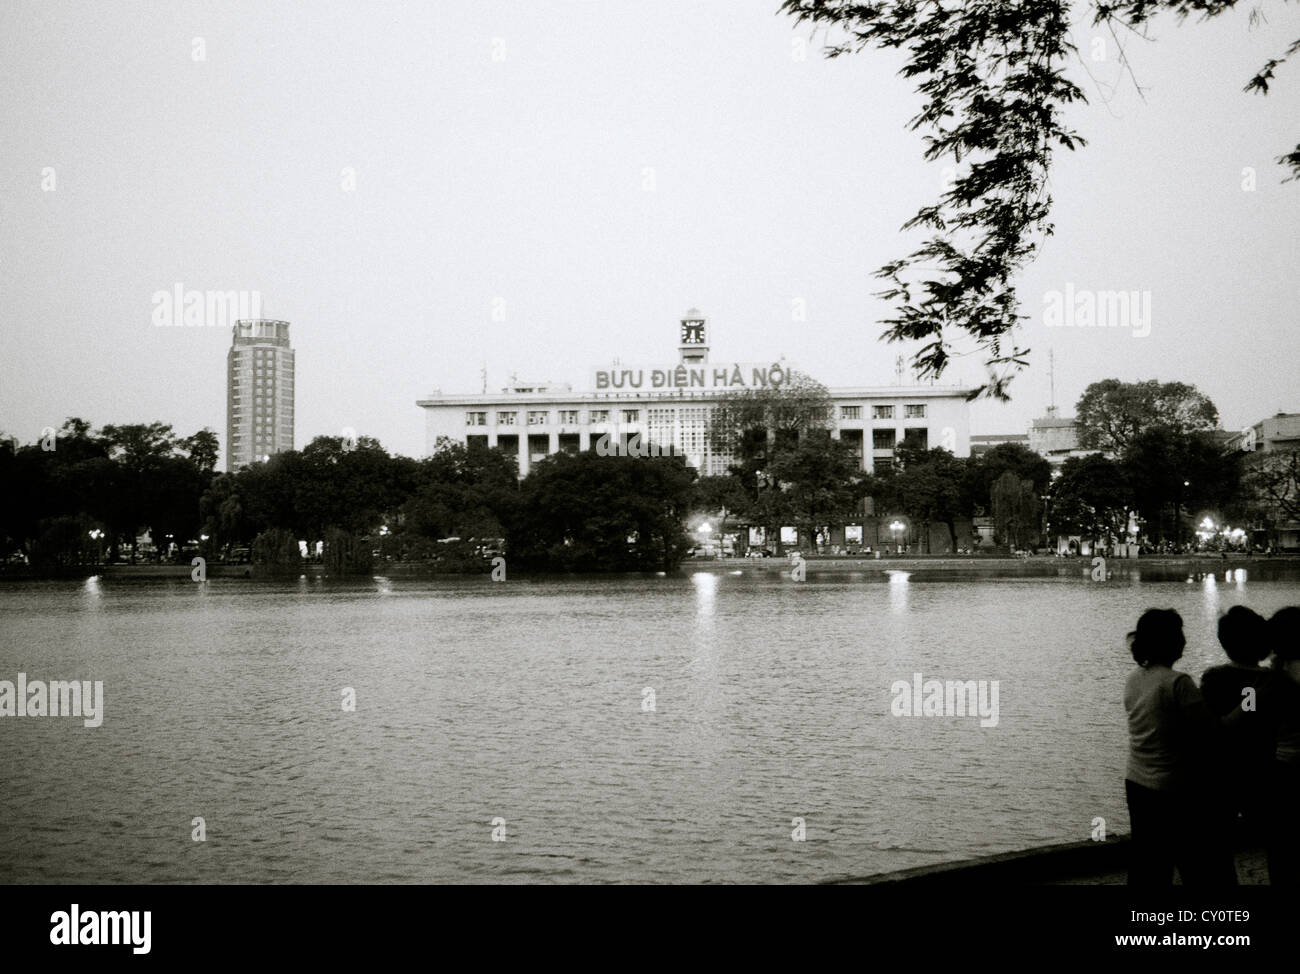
x=692, y=333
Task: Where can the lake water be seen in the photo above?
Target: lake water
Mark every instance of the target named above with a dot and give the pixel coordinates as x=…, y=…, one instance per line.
x=525, y=701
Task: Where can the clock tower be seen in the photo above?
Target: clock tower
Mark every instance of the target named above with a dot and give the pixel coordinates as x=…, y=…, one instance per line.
x=692, y=339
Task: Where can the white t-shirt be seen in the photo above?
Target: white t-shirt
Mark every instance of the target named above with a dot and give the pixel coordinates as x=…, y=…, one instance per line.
x=1166, y=723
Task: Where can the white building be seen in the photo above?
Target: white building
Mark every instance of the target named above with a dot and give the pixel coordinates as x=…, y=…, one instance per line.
x=671, y=405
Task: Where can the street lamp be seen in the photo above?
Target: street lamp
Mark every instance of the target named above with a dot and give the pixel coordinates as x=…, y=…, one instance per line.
x=896, y=526
x=95, y=536
x=1207, y=529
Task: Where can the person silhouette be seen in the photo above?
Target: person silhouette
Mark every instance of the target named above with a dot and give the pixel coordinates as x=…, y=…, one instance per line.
x=1170, y=730
x=1280, y=708
x=1240, y=765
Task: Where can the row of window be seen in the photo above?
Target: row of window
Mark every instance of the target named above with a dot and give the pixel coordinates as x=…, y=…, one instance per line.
x=540, y=417
x=910, y=411
x=569, y=417
x=881, y=439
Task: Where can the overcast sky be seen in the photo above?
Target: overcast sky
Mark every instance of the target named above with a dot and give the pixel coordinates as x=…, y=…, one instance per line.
x=591, y=169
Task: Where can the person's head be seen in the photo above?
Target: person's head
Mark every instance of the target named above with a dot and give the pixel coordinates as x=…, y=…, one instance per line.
x=1158, y=639
x=1284, y=634
x=1243, y=634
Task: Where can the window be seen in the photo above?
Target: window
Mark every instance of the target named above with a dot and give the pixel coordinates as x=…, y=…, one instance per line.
x=600, y=415
x=883, y=439
x=568, y=417
x=882, y=412
x=914, y=411
x=631, y=415
x=476, y=419
x=537, y=417
x=506, y=419
x=916, y=437
x=850, y=412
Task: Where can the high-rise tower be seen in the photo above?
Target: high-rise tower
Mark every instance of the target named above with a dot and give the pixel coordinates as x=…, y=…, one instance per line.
x=259, y=396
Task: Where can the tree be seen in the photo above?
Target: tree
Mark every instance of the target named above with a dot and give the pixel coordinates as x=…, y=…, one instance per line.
x=1016, y=511
x=1111, y=413
x=929, y=486
x=993, y=75
x=586, y=512
x=173, y=513
x=1171, y=474
x=120, y=480
x=328, y=487
x=984, y=471
x=818, y=478
x=202, y=449
x=221, y=509
x=138, y=452
x=748, y=422
x=1090, y=498
x=757, y=427
x=721, y=498
x=1271, y=490
x=276, y=552
x=463, y=492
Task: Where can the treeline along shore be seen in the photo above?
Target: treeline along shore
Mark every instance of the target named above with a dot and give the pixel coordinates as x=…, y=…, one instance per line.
x=80, y=498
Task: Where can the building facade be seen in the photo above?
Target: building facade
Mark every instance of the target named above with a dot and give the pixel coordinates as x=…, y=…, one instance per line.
x=669, y=407
x=1056, y=438
x=259, y=392
x=1273, y=448
x=1274, y=434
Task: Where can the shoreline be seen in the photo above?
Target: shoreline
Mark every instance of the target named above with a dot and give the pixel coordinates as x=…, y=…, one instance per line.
x=1036, y=564
x=922, y=565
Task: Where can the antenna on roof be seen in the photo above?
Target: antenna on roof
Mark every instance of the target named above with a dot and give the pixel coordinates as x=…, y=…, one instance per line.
x=1051, y=377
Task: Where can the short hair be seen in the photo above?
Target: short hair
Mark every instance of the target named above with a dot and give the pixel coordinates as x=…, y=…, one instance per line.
x=1243, y=634
x=1284, y=634
x=1158, y=638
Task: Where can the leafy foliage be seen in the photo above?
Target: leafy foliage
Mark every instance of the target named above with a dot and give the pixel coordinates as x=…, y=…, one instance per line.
x=1111, y=414
x=1016, y=511
x=1091, y=498
x=928, y=486
x=993, y=77
x=984, y=471
x=121, y=481
x=586, y=512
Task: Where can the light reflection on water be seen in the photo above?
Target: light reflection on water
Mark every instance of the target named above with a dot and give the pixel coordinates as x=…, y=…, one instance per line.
x=525, y=700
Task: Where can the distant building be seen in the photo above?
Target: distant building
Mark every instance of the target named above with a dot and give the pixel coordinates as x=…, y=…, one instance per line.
x=981, y=443
x=1277, y=434
x=1056, y=438
x=1053, y=437
x=671, y=405
x=669, y=408
x=259, y=392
